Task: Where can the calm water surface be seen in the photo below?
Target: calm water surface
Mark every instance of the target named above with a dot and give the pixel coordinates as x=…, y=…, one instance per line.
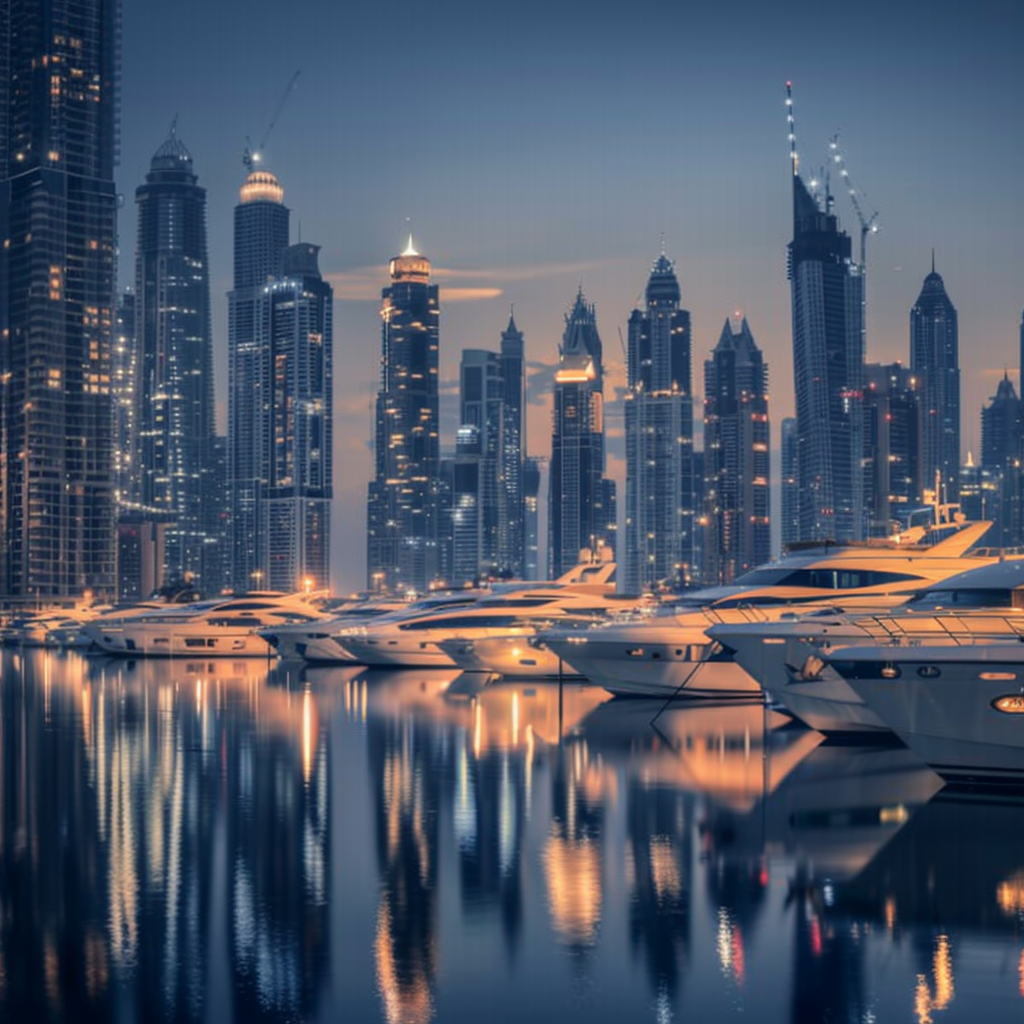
x=229, y=841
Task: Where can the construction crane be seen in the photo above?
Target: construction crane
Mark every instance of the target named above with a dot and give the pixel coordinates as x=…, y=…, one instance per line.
x=868, y=225
x=253, y=156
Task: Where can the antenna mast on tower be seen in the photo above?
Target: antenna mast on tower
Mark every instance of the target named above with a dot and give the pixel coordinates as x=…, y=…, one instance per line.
x=252, y=156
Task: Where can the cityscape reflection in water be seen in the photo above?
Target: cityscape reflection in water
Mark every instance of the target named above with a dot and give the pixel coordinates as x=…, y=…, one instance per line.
x=242, y=841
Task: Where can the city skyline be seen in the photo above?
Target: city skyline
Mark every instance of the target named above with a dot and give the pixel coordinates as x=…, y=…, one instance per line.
x=521, y=190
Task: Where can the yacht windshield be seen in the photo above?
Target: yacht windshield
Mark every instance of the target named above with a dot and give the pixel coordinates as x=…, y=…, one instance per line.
x=992, y=597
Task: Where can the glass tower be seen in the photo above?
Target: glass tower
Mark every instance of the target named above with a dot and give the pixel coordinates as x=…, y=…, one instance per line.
x=59, y=81
x=736, y=443
x=261, y=236
x=828, y=366
x=174, y=453
x=935, y=356
x=660, y=483
x=580, y=498
x=402, y=520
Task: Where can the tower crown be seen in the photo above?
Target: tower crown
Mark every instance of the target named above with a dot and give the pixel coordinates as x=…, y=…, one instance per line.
x=172, y=155
x=410, y=266
x=662, y=285
x=261, y=186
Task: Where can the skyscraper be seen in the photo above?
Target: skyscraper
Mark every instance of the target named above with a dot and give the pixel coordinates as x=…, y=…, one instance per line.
x=402, y=520
x=123, y=382
x=892, y=446
x=512, y=528
x=295, y=329
x=174, y=417
x=661, y=488
x=1002, y=455
x=531, y=512
x=736, y=444
x=935, y=357
x=578, y=492
x=261, y=236
x=482, y=408
x=828, y=360
x=59, y=86
x=789, y=499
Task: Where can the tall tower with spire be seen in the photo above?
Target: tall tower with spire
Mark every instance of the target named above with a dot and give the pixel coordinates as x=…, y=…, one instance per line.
x=736, y=444
x=174, y=422
x=512, y=528
x=828, y=367
x=661, y=496
x=935, y=356
x=261, y=236
x=402, y=519
x=580, y=498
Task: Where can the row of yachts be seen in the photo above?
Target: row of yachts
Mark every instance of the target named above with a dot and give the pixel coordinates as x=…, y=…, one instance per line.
x=921, y=640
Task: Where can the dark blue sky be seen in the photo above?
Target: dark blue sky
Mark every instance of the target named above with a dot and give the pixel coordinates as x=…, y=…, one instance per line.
x=539, y=146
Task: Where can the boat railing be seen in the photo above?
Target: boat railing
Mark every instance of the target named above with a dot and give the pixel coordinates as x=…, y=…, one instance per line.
x=961, y=631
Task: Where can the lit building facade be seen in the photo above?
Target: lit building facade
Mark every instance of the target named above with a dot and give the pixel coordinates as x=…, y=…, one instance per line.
x=892, y=446
x=260, y=238
x=173, y=453
x=59, y=90
x=123, y=374
x=661, y=487
x=531, y=516
x=828, y=363
x=935, y=358
x=512, y=526
x=580, y=497
x=789, y=499
x=295, y=328
x=402, y=520
x=1002, y=456
x=737, y=532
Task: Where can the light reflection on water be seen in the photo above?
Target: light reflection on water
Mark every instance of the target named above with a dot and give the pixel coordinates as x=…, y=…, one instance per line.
x=219, y=841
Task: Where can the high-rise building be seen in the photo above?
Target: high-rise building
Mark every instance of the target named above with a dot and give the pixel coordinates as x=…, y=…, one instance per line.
x=935, y=358
x=661, y=488
x=59, y=89
x=174, y=412
x=512, y=528
x=828, y=360
x=123, y=374
x=1002, y=457
x=736, y=442
x=531, y=514
x=295, y=329
x=578, y=492
x=482, y=408
x=261, y=236
x=402, y=521
x=789, y=498
x=892, y=446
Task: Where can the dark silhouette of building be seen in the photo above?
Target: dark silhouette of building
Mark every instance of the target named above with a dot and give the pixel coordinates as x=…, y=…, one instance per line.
x=173, y=451
x=1002, y=440
x=828, y=361
x=736, y=443
x=402, y=519
x=579, y=495
x=661, y=491
x=59, y=92
x=261, y=236
x=892, y=445
x=935, y=358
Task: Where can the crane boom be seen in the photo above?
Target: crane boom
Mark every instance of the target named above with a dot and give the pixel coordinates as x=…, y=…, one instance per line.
x=868, y=225
x=252, y=156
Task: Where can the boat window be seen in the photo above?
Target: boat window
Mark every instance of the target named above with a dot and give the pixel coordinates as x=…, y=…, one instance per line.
x=824, y=578
x=240, y=621
x=459, y=622
x=993, y=597
x=517, y=602
x=761, y=577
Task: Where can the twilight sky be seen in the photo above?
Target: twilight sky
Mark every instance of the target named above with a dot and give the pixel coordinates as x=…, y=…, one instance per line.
x=539, y=146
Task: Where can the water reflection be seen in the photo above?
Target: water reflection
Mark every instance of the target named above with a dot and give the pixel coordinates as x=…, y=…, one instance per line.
x=234, y=841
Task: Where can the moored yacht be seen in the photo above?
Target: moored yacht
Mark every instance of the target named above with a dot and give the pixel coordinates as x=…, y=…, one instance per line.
x=228, y=626
x=960, y=709
x=786, y=657
x=671, y=654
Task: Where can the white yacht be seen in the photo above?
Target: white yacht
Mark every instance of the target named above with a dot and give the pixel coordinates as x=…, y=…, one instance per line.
x=786, y=657
x=671, y=654
x=960, y=709
x=513, y=610
x=228, y=626
x=515, y=655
